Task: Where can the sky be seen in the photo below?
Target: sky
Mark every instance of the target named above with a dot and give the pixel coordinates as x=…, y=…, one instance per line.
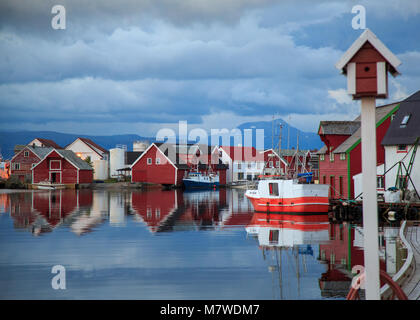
x=138, y=66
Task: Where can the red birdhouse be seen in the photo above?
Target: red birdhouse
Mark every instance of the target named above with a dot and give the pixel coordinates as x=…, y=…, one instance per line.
x=366, y=64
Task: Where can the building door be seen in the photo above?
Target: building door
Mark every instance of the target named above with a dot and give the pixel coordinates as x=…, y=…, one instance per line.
x=332, y=187
x=55, y=177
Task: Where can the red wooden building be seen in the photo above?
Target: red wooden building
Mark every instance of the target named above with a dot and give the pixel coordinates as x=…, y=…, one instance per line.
x=273, y=163
x=23, y=161
x=167, y=164
x=63, y=167
x=341, y=157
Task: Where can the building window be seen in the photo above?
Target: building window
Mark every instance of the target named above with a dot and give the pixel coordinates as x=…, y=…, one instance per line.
x=402, y=148
x=149, y=161
x=249, y=165
x=239, y=166
x=274, y=189
x=342, y=156
x=270, y=164
x=26, y=154
x=322, y=157
x=380, y=182
x=392, y=116
x=149, y=212
x=55, y=165
x=340, y=186
x=331, y=156
x=157, y=213
x=405, y=120
x=324, y=179
x=16, y=166
x=240, y=176
x=157, y=160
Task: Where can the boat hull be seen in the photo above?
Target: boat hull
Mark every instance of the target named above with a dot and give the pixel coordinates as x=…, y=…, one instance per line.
x=295, y=205
x=190, y=184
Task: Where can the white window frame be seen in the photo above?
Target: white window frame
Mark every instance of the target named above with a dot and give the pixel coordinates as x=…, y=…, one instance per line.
x=322, y=157
x=59, y=161
x=16, y=166
x=342, y=156
x=157, y=161
x=26, y=153
x=149, y=161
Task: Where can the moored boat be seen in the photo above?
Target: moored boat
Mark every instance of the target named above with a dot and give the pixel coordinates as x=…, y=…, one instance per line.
x=288, y=195
x=47, y=185
x=201, y=180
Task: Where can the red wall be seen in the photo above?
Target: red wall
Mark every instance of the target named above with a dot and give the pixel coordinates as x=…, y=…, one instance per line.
x=163, y=173
x=337, y=168
x=25, y=164
x=68, y=172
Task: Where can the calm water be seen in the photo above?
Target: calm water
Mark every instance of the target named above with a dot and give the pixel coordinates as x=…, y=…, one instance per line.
x=171, y=245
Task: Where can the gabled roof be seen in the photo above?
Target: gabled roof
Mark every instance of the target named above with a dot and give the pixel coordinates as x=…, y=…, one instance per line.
x=369, y=36
x=399, y=134
x=91, y=144
x=40, y=152
x=69, y=156
x=48, y=143
x=276, y=154
x=382, y=113
x=338, y=127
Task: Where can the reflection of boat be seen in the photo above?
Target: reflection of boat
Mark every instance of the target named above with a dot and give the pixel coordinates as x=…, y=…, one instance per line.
x=286, y=242
x=288, y=230
x=47, y=185
x=201, y=180
x=288, y=195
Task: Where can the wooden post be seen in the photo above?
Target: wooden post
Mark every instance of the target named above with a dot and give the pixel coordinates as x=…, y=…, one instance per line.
x=370, y=204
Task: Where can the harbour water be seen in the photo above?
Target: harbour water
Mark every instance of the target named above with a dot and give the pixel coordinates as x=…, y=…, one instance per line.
x=174, y=245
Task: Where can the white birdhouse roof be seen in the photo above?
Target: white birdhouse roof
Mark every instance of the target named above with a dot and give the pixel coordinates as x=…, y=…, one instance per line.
x=368, y=35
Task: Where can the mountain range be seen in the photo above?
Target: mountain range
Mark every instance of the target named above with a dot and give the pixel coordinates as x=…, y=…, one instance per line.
x=307, y=140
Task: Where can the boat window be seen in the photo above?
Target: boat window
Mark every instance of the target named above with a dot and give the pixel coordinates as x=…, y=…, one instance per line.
x=274, y=236
x=274, y=189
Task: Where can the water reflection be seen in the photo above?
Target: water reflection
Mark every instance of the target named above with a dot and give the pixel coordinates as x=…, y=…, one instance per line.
x=176, y=245
x=160, y=211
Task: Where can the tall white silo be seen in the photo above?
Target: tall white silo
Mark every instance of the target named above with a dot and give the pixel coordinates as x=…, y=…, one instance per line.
x=140, y=146
x=100, y=168
x=117, y=161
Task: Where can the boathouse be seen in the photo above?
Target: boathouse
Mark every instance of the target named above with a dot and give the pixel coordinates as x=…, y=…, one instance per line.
x=340, y=159
x=62, y=167
x=168, y=164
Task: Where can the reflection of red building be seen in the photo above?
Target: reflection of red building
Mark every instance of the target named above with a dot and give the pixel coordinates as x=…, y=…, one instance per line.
x=155, y=206
x=21, y=209
x=341, y=255
x=55, y=206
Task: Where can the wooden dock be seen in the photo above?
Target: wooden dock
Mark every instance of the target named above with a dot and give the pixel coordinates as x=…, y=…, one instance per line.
x=412, y=286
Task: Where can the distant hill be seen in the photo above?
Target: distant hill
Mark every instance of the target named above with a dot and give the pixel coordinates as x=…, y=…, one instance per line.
x=307, y=140
x=8, y=139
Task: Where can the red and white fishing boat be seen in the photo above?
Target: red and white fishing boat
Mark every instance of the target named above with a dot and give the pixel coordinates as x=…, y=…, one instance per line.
x=288, y=195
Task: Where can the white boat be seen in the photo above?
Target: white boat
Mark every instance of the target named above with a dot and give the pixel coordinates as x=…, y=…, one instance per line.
x=288, y=195
x=47, y=185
